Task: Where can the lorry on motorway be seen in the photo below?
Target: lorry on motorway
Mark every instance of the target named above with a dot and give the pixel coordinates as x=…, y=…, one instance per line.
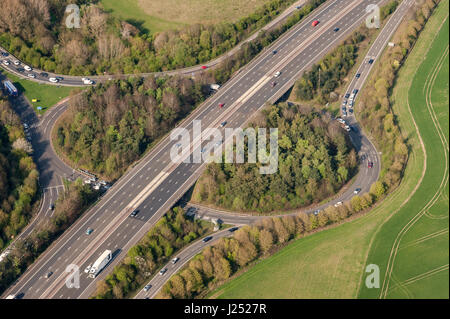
x=100, y=263
x=10, y=88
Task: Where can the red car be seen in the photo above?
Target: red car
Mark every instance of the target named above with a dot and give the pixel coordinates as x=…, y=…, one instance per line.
x=370, y=164
x=315, y=22
x=204, y=67
x=221, y=104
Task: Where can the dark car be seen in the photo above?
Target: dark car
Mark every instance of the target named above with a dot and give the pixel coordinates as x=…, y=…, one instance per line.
x=206, y=239
x=233, y=229
x=370, y=164
x=370, y=61
x=355, y=91
x=134, y=213
x=347, y=95
x=52, y=206
x=336, y=29
x=358, y=75
x=350, y=111
x=47, y=275
x=43, y=74
x=147, y=287
x=5, y=53
x=20, y=69
x=274, y=51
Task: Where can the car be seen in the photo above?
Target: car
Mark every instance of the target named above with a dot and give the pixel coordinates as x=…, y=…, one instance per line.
x=5, y=62
x=51, y=207
x=273, y=84
x=344, y=102
x=174, y=261
x=315, y=22
x=350, y=110
x=20, y=69
x=347, y=95
x=356, y=191
x=147, y=287
x=277, y=74
x=338, y=204
x=26, y=67
x=134, y=213
x=25, y=126
x=344, y=109
x=370, y=61
x=59, y=78
x=87, y=81
x=370, y=164
x=206, y=239
x=53, y=80
x=89, y=231
x=16, y=62
x=358, y=75
x=316, y=212
x=86, y=270
x=163, y=271
x=347, y=128
x=44, y=74
x=221, y=104
x=31, y=75
x=344, y=114
x=5, y=53
x=47, y=275
x=223, y=124
x=298, y=7
x=274, y=52
x=204, y=67
x=355, y=91
x=340, y=120
x=336, y=29
x=233, y=229
x=351, y=103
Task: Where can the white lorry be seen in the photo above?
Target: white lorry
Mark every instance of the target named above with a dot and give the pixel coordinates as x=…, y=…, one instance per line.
x=100, y=263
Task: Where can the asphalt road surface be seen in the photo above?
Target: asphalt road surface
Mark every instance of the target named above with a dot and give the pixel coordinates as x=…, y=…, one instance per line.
x=203, y=212
x=68, y=80
x=155, y=183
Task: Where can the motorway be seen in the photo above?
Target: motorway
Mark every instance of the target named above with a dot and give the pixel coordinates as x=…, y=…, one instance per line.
x=68, y=80
x=364, y=70
x=155, y=183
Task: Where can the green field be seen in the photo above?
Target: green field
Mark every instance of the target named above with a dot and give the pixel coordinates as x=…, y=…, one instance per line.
x=46, y=95
x=331, y=263
x=160, y=15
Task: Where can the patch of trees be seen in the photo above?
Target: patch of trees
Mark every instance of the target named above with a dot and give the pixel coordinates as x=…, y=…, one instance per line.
x=331, y=70
x=316, y=158
x=172, y=232
x=18, y=175
x=108, y=127
x=77, y=197
x=104, y=44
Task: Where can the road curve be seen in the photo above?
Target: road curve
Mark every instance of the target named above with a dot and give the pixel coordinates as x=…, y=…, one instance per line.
x=189, y=252
x=68, y=80
x=153, y=185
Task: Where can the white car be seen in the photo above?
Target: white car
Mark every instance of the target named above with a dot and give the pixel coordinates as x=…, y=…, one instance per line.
x=174, y=261
x=86, y=270
x=31, y=75
x=26, y=67
x=16, y=62
x=356, y=191
x=277, y=74
x=338, y=204
x=53, y=80
x=5, y=62
x=87, y=81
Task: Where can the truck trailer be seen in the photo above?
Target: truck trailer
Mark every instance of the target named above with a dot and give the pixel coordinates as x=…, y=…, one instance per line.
x=10, y=88
x=100, y=263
